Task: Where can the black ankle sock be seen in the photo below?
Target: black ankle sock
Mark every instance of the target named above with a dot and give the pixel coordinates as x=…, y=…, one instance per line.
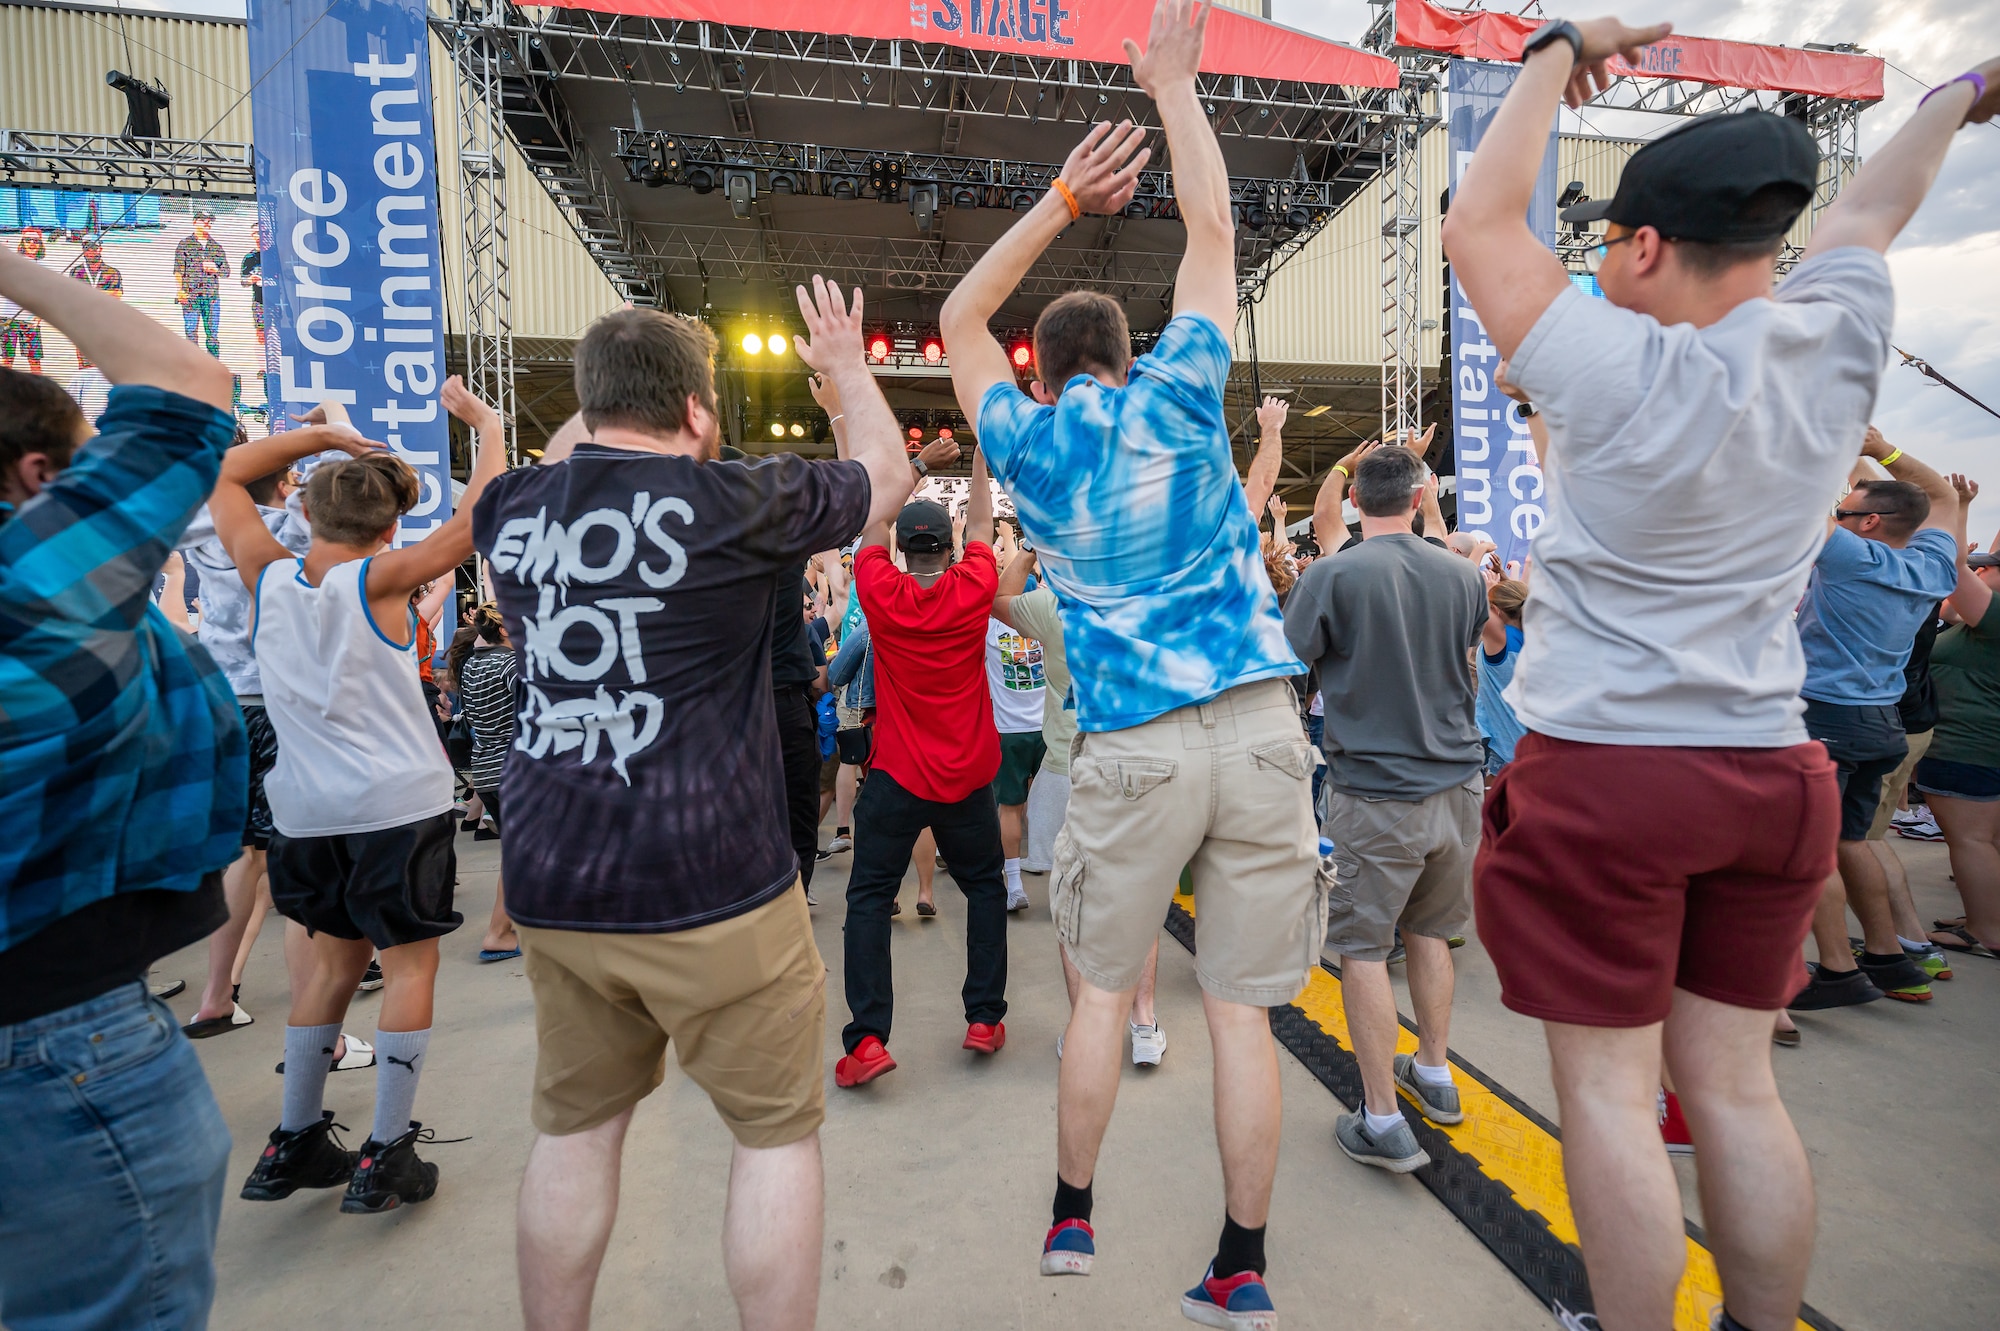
x=1240, y=1250
x=1880, y=958
x=842, y=831
x=1071, y=1203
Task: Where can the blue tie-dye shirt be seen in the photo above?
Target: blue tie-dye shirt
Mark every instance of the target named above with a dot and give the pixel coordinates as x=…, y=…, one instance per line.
x=1131, y=498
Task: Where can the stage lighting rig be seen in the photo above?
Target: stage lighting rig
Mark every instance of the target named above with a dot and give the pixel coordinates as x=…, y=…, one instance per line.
x=1022, y=353
x=878, y=348
x=924, y=205
x=143, y=104
x=740, y=188
x=933, y=351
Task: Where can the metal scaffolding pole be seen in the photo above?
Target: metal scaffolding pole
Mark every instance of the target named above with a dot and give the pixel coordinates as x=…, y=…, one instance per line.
x=1402, y=276
x=482, y=175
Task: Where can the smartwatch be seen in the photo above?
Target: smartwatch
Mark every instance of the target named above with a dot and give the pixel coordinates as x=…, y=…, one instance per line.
x=923, y=471
x=1527, y=410
x=1561, y=30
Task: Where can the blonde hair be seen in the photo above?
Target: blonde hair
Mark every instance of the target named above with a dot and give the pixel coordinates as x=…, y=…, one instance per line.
x=1507, y=596
x=1280, y=569
x=353, y=501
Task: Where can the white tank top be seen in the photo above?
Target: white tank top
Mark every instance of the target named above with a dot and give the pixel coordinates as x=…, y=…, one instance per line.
x=357, y=750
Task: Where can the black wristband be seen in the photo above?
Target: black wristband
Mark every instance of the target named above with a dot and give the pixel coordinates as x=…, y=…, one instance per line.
x=1559, y=30
x=922, y=469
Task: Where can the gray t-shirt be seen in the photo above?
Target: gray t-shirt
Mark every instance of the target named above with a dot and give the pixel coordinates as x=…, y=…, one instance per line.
x=225, y=601
x=1689, y=475
x=1391, y=623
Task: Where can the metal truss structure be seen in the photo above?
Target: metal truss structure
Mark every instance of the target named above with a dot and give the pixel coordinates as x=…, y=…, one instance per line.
x=109, y=162
x=482, y=174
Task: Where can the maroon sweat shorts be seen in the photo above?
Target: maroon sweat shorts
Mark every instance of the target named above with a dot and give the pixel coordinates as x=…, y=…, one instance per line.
x=1610, y=875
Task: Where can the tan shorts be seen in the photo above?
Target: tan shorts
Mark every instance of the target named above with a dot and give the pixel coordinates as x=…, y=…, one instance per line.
x=1400, y=864
x=1894, y=784
x=743, y=1002
x=1223, y=788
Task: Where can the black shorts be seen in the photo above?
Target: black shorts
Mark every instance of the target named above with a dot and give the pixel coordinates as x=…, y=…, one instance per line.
x=854, y=747
x=391, y=886
x=490, y=801
x=257, y=829
x=1867, y=743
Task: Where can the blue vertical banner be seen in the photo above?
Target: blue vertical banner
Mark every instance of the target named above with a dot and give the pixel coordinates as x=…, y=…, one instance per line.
x=340, y=106
x=1499, y=481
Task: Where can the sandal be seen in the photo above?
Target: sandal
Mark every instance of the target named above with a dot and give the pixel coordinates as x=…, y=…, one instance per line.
x=926, y=909
x=1958, y=922
x=234, y=1019
x=1966, y=942
x=895, y=908
x=1789, y=1039
x=487, y=955
x=358, y=1054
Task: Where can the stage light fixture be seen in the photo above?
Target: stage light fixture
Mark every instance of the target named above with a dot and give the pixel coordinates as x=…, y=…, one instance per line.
x=777, y=430
x=1023, y=200
x=1255, y=218
x=701, y=180
x=1298, y=219
x=916, y=432
x=878, y=347
x=775, y=344
x=964, y=198
x=143, y=104
x=924, y=205
x=785, y=182
x=1023, y=355
x=741, y=189
x=944, y=432
x=933, y=351
x=1136, y=208
x=752, y=344
x=845, y=187
x=798, y=430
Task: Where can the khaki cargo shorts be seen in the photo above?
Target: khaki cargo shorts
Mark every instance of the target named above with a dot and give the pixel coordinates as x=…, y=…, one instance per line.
x=1400, y=863
x=743, y=1002
x=1223, y=787
x=1894, y=784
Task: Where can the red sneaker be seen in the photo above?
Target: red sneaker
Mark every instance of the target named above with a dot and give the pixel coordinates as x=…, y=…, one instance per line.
x=1673, y=1127
x=868, y=1061
x=985, y=1039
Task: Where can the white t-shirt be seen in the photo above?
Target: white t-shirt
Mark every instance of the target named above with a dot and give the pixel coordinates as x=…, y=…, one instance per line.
x=1014, y=678
x=1689, y=476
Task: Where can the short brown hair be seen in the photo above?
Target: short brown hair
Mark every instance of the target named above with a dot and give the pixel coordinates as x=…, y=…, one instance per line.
x=635, y=370
x=1083, y=332
x=353, y=501
x=1904, y=507
x=36, y=416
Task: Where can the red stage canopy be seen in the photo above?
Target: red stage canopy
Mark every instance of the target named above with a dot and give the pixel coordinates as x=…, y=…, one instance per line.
x=1483, y=36
x=1060, y=29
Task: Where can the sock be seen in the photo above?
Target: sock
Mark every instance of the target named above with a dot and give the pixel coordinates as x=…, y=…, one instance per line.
x=1430, y=1076
x=1013, y=871
x=1915, y=944
x=1380, y=1123
x=308, y=1058
x=1880, y=958
x=399, y=1060
x=1071, y=1203
x=1240, y=1249
x=842, y=830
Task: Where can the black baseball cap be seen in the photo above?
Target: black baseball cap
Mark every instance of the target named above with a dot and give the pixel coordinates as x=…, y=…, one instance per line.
x=1696, y=182
x=923, y=527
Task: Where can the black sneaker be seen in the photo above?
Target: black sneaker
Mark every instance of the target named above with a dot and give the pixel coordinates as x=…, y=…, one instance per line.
x=311, y=1157
x=371, y=979
x=1901, y=979
x=389, y=1174
x=1831, y=989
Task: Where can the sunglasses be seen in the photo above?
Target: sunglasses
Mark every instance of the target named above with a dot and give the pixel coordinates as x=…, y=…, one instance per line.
x=1859, y=513
x=1593, y=258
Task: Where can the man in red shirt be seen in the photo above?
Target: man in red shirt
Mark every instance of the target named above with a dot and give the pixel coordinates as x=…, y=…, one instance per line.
x=936, y=754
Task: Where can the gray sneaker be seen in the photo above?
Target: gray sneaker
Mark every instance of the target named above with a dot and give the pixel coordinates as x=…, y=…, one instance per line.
x=1396, y=1150
x=1439, y=1103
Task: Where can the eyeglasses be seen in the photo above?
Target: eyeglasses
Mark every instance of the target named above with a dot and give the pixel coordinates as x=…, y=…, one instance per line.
x=1839, y=513
x=1593, y=258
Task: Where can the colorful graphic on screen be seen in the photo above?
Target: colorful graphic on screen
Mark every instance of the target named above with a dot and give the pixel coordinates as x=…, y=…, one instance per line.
x=192, y=263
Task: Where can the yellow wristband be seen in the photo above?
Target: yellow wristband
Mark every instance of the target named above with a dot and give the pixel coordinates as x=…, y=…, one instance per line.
x=1342, y=469
x=1892, y=457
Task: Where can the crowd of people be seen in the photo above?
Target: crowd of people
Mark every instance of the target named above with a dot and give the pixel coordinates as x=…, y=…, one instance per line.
x=1124, y=686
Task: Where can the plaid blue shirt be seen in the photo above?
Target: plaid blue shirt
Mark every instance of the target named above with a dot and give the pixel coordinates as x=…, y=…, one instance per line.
x=1140, y=525
x=123, y=764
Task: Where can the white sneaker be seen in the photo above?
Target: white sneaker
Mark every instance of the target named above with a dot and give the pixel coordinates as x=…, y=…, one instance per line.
x=1916, y=825
x=839, y=844
x=1017, y=899
x=1059, y=1036
x=1149, y=1045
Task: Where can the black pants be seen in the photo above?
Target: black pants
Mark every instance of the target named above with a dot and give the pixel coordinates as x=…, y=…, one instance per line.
x=798, y=742
x=887, y=821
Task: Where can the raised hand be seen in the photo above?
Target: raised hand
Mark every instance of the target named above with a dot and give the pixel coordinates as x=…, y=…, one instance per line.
x=1353, y=460
x=1602, y=39
x=460, y=402
x=825, y=394
x=1093, y=172
x=1873, y=445
x=833, y=326
x=1271, y=415
x=1967, y=490
x=1276, y=508
x=1173, y=46
x=939, y=453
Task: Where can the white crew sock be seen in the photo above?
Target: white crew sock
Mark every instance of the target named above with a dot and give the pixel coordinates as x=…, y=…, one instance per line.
x=1013, y=871
x=308, y=1058
x=1379, y=1124
x=1430, y=1076
x=1915, y=944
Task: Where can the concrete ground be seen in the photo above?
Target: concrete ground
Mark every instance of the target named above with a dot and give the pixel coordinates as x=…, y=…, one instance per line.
x=939, y=1175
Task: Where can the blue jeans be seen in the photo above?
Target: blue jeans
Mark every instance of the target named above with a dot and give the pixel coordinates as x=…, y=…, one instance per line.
x=116, y=1161
x=1316, y=732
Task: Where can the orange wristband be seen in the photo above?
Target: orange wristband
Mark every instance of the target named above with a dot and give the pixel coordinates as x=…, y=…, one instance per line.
x=1068, y=198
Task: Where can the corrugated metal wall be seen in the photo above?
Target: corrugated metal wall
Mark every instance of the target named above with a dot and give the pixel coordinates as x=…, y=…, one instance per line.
x=52, y=64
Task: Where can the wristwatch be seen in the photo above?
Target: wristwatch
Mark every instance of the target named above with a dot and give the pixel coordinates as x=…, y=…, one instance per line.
x=1560, y=30
x=923, y=472
x=1527, y=410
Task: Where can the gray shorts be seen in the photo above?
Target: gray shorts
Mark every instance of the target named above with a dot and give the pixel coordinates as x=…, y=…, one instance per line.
x=1400, y=864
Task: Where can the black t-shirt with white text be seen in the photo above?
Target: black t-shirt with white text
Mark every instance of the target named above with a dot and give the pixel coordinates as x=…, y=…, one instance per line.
x=645, y=790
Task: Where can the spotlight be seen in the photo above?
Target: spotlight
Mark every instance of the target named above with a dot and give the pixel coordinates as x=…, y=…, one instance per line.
x=1023, y=200
x=785, y=182
x=741, y=189
x=933, y=351
x=775, y=344
x=844, y=187
x=916, y=433
x=1572, y=195
x=701, y=180
x=944, y=432
x=924, y=205
x=143, y=104
x=885, y=176
x=1255, y=218
x=1298, y=219
x=1023, y=355
x=663, y=161
x=752, y=344
x=1136, y=208
x=964, y=198
x=798, y=430
x=777, y=430
x=878, y=347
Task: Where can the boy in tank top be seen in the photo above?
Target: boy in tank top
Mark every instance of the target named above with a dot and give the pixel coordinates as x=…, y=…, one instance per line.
x=361, y=793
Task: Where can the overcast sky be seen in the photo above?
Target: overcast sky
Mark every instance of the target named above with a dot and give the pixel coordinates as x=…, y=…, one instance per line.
x=1946, y=265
